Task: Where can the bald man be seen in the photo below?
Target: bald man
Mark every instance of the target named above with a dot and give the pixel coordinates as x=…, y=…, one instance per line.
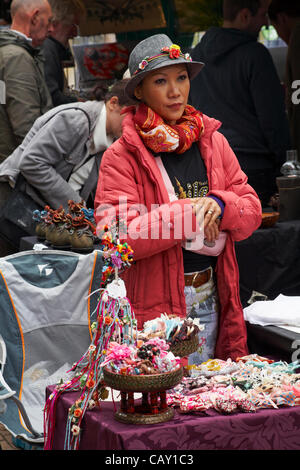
x=22, y=72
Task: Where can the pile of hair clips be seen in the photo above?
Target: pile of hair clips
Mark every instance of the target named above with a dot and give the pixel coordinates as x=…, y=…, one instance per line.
x=248, y=384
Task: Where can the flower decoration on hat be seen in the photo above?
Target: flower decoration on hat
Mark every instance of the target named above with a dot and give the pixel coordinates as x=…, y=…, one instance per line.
x=173, y=51
x=143, y=64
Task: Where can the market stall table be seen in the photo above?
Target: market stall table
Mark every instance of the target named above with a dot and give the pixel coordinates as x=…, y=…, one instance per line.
x=267, y=429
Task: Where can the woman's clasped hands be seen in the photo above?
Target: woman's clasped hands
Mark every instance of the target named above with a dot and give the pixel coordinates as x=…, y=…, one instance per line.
x=207, y=212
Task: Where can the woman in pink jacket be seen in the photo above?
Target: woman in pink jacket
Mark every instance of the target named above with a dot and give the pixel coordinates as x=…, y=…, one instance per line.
x=176, y=184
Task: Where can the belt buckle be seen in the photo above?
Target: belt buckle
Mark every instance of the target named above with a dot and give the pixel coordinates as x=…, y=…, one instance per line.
x=194, y=278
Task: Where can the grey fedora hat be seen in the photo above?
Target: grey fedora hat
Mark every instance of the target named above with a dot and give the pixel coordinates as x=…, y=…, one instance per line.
x=153, y=53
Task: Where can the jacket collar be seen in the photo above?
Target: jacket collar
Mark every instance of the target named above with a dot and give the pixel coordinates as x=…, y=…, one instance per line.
x=18, y=33
x=11, y=37
x=63, y=52
x=210, y=127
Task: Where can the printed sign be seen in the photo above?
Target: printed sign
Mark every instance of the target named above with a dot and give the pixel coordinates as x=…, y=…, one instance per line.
x=120, y=16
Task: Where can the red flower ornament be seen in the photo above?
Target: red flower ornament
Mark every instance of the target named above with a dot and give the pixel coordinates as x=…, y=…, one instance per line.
x=173, y=51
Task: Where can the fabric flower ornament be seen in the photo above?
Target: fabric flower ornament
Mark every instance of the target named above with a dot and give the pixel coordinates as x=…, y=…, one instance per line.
x=119, y=352
x=91, y=404
x=108, y=320
x=107, y=272
x=88, y=213
x=91, y=350
x=75, y=430
x=77, y=412
x=107, y=240
x=161, y=344
x=116, y=260
x=90, y=383
x=143, y=64
x=174, y=51
x=36, y=216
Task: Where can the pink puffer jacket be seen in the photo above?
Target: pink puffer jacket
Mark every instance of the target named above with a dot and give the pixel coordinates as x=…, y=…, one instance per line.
x=155, y=283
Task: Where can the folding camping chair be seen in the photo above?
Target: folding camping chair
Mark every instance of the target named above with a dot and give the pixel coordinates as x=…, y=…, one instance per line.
x=6, y=392
x=47, y=302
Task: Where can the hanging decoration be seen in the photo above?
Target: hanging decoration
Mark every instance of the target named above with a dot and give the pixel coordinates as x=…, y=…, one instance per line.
x=116, y=256
x=115, y=322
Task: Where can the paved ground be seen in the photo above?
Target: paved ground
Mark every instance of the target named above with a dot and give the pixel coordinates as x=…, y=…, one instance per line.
x=6, y=440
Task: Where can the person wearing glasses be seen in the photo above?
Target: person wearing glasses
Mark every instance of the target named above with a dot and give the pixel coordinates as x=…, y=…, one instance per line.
x=65, y=20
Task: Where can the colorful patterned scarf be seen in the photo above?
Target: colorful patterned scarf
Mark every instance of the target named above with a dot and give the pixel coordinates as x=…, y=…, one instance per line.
x=162, y=137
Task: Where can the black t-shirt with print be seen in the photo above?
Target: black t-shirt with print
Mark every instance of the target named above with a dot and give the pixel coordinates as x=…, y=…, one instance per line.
x=188, y=176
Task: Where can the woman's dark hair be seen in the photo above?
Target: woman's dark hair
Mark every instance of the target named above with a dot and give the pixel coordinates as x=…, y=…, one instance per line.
x=290, y=7
x=118, y=90
x=104, y=93
x=232, y=7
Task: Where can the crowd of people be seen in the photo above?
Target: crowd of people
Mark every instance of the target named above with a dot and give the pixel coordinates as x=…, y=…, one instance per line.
x=196, y=139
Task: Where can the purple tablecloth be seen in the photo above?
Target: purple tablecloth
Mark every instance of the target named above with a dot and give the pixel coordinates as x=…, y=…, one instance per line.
x=268, y=429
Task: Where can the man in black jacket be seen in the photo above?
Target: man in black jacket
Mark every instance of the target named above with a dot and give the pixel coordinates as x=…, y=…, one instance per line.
x=66, y=15
x=240, y=87
x=285, y=17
